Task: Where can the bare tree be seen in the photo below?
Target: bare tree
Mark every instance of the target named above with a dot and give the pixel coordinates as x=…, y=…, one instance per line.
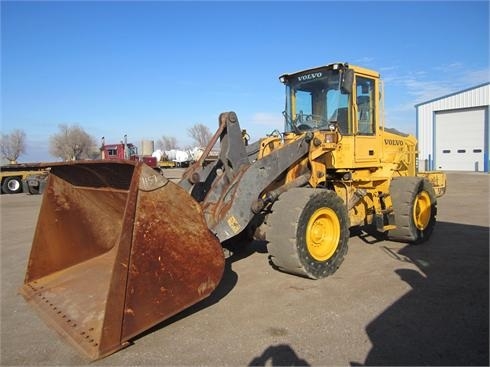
x=167, y=143
x=72, y=143
x=201, y=134
x=13, y=145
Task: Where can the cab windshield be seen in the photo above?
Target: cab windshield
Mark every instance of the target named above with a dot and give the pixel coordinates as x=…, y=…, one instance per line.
x=314, y=100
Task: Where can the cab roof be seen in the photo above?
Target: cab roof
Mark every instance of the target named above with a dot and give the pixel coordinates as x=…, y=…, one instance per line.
x=334, y=66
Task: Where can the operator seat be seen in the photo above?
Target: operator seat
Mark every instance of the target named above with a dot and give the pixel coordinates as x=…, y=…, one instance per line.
x=364, y=115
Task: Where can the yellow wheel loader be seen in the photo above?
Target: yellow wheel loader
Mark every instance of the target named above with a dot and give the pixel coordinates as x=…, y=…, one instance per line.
x=119, y=248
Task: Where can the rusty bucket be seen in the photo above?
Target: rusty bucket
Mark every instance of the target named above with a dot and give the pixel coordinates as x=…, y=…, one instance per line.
x=117, y=249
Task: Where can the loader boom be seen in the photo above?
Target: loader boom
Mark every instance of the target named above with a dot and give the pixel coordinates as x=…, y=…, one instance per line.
x=228, y=189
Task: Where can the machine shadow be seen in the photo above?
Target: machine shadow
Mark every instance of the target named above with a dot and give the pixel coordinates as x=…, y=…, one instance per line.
x=278, y=355
x=444, y=319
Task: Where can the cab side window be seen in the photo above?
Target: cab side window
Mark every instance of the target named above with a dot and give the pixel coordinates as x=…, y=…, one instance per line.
x=365, y=105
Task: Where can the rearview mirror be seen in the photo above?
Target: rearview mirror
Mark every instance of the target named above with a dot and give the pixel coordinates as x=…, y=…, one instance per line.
x=347, y=80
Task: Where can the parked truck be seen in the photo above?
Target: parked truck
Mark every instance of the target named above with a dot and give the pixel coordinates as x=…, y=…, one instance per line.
x=119, y=248
x=125, y=150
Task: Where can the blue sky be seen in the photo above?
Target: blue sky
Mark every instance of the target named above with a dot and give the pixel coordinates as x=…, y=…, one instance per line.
x=148, y=69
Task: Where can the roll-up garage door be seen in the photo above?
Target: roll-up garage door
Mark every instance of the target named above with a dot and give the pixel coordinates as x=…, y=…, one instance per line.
x=460, y=140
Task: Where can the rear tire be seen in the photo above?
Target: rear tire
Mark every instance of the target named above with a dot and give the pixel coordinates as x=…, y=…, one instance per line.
x=414, y=207
x=308, y=232
x=12, y=185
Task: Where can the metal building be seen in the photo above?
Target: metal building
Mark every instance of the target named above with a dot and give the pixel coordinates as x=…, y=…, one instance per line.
x=453, y=131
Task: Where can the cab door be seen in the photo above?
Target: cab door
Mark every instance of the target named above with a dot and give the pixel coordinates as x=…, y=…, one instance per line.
x=366, y=149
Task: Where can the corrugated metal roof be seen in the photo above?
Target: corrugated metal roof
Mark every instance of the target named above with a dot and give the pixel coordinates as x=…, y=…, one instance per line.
x=452, y=94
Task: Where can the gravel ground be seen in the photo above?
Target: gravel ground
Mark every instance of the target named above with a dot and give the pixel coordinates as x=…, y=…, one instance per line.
x=388, y=304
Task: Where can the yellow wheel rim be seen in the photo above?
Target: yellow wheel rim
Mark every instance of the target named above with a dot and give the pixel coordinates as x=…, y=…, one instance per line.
x=323, y=234
x=421, y=210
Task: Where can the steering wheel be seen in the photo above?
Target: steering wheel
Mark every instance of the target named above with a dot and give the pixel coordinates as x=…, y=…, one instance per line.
x=304, y=127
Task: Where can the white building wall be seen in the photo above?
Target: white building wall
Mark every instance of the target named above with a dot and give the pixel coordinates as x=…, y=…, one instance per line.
x=475, y=97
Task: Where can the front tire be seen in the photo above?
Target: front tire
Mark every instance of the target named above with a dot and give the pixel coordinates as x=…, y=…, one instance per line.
x=308, y=232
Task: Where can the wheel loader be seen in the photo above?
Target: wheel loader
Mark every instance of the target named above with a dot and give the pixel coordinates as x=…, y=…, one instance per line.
x=119, y=248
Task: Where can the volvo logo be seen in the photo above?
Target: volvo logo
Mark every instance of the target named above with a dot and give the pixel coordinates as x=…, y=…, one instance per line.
x=394, y=142
x=311, y=76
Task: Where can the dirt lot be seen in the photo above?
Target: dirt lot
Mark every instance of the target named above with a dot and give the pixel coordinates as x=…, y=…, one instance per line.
x=388, y=304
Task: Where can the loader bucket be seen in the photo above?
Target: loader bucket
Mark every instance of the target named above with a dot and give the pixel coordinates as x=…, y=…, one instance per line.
x=117, y=249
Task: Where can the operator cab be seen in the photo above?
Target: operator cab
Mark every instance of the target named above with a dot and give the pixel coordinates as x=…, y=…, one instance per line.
x=320, y=99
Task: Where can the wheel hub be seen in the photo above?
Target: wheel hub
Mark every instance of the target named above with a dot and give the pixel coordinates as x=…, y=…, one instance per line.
x=323, y=234
x=421, y=210
x=13, y=185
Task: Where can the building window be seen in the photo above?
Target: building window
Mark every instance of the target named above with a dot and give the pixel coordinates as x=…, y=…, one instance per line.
x=112, y=152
